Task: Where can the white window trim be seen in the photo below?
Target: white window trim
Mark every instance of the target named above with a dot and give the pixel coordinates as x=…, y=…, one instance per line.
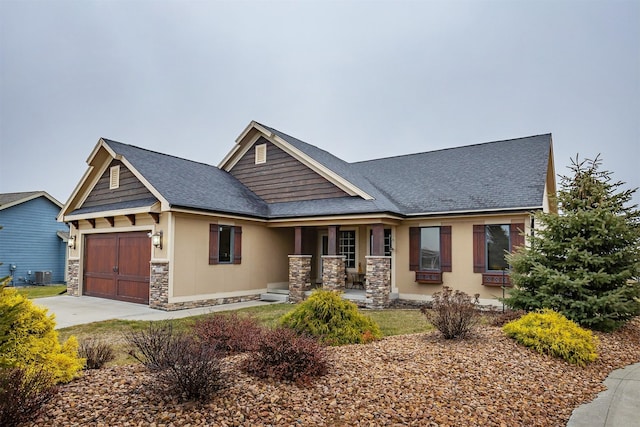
x=355, y=246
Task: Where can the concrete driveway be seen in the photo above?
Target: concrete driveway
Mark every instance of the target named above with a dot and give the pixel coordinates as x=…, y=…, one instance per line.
x=71, y=311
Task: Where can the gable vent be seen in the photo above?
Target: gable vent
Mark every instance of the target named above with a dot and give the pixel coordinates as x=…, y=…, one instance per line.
x=261, y=154
x=114, y=177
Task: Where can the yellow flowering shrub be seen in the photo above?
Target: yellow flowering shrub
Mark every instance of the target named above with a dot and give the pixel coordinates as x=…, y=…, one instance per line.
x=28, y=340
x=549, y=332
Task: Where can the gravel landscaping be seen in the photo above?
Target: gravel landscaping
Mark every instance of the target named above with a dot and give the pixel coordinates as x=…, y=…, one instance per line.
x=418, y=379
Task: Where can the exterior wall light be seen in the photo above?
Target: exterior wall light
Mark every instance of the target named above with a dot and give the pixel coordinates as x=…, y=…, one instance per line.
x=156, y=239
x=71, y=242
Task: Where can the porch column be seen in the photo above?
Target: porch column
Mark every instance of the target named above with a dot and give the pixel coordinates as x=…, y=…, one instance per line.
x=378, y=281
x=333, y=272
x=299, y=276
x=377, y=247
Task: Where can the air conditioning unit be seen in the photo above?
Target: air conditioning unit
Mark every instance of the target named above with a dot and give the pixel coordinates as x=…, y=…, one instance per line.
x=43, y=278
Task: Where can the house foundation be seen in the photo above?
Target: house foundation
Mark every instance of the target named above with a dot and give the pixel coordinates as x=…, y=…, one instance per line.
x=378, y=287
x=333, y=272
x=299, y=277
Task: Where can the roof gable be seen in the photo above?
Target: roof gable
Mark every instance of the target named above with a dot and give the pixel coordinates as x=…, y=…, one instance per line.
x=279, y=177
x=323, y=163
x=8, y=200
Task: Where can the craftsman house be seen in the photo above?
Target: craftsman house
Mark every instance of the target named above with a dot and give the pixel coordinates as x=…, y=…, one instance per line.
x=280, y=215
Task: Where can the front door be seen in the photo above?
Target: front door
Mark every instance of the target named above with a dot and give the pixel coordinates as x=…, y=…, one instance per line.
x=116, y=266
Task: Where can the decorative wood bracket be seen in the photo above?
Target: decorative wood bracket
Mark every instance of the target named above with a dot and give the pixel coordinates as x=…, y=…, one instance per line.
x=110, y=220
x=155, y=216
x=131, y=218
x=92, y=221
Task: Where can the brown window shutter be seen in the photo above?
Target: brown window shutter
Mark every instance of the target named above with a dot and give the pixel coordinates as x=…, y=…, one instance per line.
x=414, y=248
x=445, y=248
x=516, y=235
x=478, y=249
x=213, y=244
x=237, y=245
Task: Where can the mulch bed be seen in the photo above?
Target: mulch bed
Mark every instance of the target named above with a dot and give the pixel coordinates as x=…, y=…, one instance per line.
x=413, y=380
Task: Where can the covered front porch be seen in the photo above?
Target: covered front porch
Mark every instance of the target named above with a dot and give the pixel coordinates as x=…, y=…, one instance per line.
x=355, y=259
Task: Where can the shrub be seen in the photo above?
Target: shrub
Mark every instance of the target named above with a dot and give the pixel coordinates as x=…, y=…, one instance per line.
x=22, y=395
x=284, y=355
x=194, y=371
x=453, y=313
x=500, y=319
x=549, y=332
x=96, y=352
x=28, y=340
x=155, y=346
x=332, y=319
x=229, y=333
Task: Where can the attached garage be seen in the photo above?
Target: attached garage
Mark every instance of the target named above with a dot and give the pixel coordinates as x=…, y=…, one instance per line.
x=116, y=266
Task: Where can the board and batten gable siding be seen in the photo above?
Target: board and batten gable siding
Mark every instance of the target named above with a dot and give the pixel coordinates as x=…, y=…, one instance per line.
x=130, y=188
x=29, y=240
x=282, y=178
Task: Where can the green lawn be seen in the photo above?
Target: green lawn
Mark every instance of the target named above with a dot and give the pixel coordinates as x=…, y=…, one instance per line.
x=41, y=291
x=391, y=322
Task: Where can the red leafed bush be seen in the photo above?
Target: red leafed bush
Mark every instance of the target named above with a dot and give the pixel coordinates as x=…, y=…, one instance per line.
x=284, y=355
x=22, y=395
x=229, y=333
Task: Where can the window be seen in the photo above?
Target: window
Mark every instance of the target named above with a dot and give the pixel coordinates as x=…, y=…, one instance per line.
x=261, y=154
x=430, y=248
x=225, y=244
x=387, y=242
x=430, y=252
x=114, y=177
x=491, y=243
x=497, y=246
x=347, y=247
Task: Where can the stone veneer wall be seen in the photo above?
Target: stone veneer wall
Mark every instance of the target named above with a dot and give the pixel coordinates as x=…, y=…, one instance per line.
x=73, y=271
x=159, y=292
x=299, y=277
x=333, y=272
x=378, y=285
x=159, y=285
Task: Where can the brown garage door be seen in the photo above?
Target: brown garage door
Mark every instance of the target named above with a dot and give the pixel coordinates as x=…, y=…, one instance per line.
x=116, y=266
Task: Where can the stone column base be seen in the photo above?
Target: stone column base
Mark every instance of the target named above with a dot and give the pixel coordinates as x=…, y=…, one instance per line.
x=73, y=275
x=159, y=285
x=378, y=286
x=333, y=272
x=299, y=277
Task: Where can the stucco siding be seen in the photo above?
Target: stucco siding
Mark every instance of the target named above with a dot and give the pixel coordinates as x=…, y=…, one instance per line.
x=264, y=258
x=462, y=276
x=28, y=239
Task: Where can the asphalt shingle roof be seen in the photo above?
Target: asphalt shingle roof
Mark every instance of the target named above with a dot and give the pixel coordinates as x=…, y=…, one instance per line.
x=190, y=184
x=506, y=175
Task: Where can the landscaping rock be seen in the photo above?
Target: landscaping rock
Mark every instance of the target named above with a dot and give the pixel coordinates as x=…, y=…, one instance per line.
x=410, y=380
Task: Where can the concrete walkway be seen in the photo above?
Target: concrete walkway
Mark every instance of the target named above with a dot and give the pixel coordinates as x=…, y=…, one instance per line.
x=618, y=406
x=71, y=311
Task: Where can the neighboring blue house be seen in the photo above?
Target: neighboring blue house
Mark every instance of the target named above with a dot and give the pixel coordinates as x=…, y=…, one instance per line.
x=33, y=246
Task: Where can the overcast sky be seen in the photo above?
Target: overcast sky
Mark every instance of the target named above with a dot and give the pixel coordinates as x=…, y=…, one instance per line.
x=359, y=79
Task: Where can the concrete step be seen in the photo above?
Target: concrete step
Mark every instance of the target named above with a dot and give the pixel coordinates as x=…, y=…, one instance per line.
x=278, y=291
x=274, y=296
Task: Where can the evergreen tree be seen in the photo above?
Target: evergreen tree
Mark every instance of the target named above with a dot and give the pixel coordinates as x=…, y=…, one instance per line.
x=585, y=261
